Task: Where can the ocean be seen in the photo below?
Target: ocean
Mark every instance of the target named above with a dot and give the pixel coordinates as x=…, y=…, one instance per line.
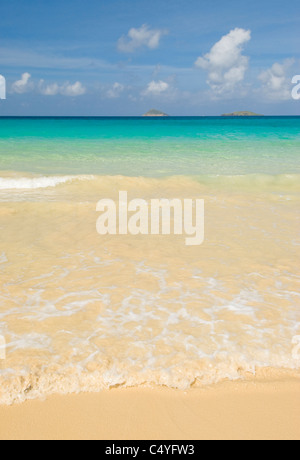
x=81, y=311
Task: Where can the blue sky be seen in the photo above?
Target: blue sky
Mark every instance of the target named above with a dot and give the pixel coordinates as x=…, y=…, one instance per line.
x=123, y=57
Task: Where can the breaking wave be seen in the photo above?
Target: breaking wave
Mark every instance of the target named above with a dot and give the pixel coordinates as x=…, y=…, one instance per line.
x=29, y=183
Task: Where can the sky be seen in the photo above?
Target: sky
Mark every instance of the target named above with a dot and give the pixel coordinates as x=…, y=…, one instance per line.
x=124, y=57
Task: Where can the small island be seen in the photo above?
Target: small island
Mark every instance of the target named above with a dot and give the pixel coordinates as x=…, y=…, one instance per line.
x=155, y=113
x=242, y=114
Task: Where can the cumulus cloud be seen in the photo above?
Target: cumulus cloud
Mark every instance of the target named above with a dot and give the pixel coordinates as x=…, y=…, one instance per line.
x=77, y=89
x=67, y=89
x=276, y=81
x=48, y=90
x=115, y=91
x=23, y=85
x=225, y=63
x=155, y=88
x=142, y=37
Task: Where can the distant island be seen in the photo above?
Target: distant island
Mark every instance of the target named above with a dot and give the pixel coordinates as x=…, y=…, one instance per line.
x=155, y=113
x=242, y=114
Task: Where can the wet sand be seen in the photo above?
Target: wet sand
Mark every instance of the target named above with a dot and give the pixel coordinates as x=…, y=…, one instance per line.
x=261, y=409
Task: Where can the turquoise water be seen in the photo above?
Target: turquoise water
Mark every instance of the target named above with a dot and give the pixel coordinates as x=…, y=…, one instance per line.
x=151, y=147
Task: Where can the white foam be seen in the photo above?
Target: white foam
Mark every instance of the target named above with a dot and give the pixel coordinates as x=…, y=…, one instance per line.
x=175, y=335
x=29, y=341
x=3, y=258
x=25, y=183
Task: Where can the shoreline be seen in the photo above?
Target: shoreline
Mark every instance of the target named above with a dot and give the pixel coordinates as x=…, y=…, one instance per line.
x=264, y=408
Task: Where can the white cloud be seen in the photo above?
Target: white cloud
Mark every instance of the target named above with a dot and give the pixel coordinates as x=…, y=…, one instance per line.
x=77, y=89
x=156, y=88
x=23, y=85
x=2, y=87
x=115, y=91
x=67, y=89
x=48, y=90
x=225, y=63
x=276, y=82
x=136, y=38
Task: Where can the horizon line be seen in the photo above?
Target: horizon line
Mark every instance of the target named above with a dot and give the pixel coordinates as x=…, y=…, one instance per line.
x=147, y=117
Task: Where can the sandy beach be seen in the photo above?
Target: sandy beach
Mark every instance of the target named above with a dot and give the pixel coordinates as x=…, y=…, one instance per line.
x=266, y=408
x=137, y=335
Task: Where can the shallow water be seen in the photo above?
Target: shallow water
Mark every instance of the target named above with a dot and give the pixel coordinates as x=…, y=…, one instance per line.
x=82, y=312
x=151, y=147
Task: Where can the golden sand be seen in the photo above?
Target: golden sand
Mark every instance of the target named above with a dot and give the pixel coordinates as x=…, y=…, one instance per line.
x=268, y=409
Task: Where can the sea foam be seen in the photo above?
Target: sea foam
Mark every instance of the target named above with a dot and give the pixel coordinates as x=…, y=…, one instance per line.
x=25, y=183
